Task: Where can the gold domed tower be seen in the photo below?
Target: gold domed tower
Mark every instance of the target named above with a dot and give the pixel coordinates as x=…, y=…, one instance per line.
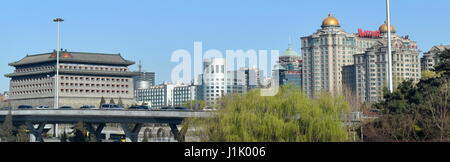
x=330, y=21
x=384, y=28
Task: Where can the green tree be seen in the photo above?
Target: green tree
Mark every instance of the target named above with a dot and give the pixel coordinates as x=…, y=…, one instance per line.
x=444, y=66
x=22, y=134
x=415, y=112
x=112, y=101
x=120, y=102
x=102, y=101
x=428, y=74
x=290, y=116
x=7, y=129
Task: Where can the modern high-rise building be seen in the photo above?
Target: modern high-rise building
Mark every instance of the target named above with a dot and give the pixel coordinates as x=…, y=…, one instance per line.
x=169, y=94
x=368, y=76
x=290, y=68
x=214, y=79
x=84, y=79
x=243, y=80
x=253, y=77
x=236, y=82
x=217, y=81
x=144, y=79
x=430, y=59
x=327, y=51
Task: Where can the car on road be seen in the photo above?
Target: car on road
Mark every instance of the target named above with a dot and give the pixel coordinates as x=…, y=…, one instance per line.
x=42, y=107
x=142, y=107
x=175, y=109
x=111, y=107
x=22, y=107
x=182, y=109
x=88, y=107
x=66, y=107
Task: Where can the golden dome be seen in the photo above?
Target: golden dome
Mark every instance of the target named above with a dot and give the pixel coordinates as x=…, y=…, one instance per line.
x=330, y=21
x=383, y=28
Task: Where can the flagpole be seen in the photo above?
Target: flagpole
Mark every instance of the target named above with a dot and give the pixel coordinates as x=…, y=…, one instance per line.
x=390, y=77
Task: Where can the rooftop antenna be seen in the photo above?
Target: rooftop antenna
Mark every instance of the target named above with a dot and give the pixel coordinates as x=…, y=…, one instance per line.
x=140, y=66
x=289, y=42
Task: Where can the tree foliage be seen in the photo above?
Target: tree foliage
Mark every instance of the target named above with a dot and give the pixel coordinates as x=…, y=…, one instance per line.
x=195, y=104
x=112, y=101
x=120, y=102
x=7, y=129
x=444, y=66
x=22, y=134
x=290, y=116
x=428, y=74
x=102, y=101
x=416, y=112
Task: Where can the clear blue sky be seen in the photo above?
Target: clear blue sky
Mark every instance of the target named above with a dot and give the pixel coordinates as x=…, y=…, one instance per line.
x=150, y=30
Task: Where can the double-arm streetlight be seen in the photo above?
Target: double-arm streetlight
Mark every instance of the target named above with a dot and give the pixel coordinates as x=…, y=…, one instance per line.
x=56, y=104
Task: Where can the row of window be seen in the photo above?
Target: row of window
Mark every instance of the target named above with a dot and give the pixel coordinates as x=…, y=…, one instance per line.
x=74, y=78
x=74, y=67
x=69, y=91
x=94, y=79
x=32, y=92
x=71, y=84
x=94, y=91
x=30, y=80
x=33, y=85
x=34, y=69
x=95, y=85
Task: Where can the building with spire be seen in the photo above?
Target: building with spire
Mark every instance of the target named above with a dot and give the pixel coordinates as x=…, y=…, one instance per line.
x=326, y=52
x=144, y=80
x=368, y=76
x=289, y=68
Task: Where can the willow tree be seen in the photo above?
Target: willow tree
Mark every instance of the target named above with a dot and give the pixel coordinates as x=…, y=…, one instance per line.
x=290, y=116
x=22, y=134
x=7, y=129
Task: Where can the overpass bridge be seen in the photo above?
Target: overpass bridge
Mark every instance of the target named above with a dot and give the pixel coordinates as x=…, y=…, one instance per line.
x=131, y=121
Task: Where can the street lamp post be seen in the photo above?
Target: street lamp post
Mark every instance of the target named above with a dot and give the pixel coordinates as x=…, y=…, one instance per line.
x=56, y=102
x=390, y=79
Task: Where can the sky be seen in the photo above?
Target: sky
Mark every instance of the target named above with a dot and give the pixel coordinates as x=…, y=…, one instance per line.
x=151, y=30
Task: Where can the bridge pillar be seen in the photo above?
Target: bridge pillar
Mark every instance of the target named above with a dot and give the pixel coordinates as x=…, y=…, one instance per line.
x=96, y=131
x=176, y=133
x=37, y=132
x=132, y=131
